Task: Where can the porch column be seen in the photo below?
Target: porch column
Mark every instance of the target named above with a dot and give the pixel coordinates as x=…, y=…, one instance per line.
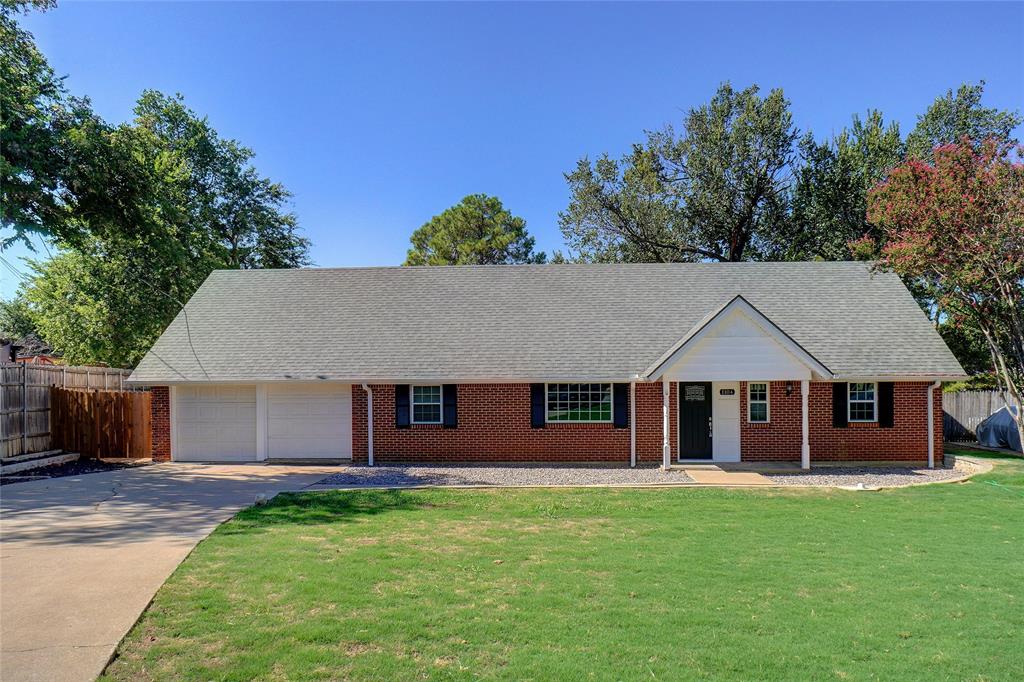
x=805, y=443
x=632, y=423
x=666, y=448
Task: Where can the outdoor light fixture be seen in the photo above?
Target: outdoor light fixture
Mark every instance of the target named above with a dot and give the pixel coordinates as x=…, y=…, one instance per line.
x=789, y=388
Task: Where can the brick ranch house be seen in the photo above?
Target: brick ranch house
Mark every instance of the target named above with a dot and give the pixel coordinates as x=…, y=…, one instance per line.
x=815, y=363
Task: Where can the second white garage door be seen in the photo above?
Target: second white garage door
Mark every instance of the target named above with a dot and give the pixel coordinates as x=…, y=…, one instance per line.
x=309, y=421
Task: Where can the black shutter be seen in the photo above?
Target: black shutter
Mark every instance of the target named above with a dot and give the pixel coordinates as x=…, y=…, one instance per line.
x=402, y=406
x=839, y=396
x=536, y=406
x=886, y=404
x=620, y=405
x=450, y=397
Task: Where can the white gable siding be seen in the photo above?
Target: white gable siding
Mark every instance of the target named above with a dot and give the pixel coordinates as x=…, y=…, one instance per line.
x=737, y=349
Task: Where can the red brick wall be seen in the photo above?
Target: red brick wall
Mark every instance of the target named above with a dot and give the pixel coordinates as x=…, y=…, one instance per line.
x=160, y=410
x=780, y=439
x=649, y=422
x=494, y=426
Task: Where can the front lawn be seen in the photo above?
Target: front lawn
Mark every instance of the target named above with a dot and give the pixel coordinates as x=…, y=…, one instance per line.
x=920, y=583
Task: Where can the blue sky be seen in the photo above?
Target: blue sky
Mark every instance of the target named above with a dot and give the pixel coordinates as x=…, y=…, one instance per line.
x=379, y=116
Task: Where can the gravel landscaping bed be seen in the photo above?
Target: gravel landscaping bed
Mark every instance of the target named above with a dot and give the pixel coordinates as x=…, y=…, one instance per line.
x=393, y=476
x=874, y=477
x=531, y=475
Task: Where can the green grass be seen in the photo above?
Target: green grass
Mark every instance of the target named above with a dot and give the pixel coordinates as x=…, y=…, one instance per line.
x=920, y=583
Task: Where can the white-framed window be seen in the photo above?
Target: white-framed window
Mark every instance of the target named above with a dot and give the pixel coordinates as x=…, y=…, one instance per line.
x=757, y=402
x=581, y=403
x=862, y=405
x=426, y=404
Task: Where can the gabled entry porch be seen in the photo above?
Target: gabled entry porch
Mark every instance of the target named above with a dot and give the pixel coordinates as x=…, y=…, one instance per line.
x=708, y=418
x=728, y=360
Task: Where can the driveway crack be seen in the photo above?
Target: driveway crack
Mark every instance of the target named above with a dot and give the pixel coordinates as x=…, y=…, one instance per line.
x=114, y=491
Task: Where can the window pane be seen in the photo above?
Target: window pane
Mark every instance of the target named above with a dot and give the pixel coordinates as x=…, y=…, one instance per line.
x=759, y=391
x=426, y=394
x=862, y=411
x=426, y=413
x=579, y=402
x=862, y=392
x=758, y=412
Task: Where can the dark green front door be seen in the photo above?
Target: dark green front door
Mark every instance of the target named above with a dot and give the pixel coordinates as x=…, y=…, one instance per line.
x=695, y=420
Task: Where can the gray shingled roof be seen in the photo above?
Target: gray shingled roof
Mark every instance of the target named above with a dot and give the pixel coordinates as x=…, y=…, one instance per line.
x=521, y=323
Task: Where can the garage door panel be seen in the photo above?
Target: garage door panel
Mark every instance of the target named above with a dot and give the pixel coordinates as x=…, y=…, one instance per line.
x=309, y=421
x=215, y=423
x=218, y=394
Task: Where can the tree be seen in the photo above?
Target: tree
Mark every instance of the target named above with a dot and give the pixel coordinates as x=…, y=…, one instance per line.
x=830, y=196
x=476, y=231
x=180, y=201
x=952, y=117
x=719, y=191
x=15, y=319
x=957, y=226
x=95, y=307
x=624, y=211
x=31, y=97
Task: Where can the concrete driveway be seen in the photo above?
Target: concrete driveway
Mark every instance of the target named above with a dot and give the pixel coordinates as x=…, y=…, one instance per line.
x=81, y=556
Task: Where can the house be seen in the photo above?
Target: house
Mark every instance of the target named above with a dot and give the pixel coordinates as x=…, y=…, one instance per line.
x=623, y=363
x=29, y=349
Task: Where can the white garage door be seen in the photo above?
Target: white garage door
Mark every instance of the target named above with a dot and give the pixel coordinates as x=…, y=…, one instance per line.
x=215, y=423
x=306, y=421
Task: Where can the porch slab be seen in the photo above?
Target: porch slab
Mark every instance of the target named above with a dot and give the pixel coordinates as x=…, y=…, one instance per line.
x=714, y=476
x=756, y=467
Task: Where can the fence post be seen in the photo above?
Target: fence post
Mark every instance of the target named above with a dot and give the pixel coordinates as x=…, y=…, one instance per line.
x=24, y=408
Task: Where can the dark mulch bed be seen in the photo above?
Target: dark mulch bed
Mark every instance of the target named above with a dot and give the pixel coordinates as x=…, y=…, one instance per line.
x=77, y=468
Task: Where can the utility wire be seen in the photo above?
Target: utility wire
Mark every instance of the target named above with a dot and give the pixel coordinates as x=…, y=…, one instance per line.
x=17, y=273
x=188, y=328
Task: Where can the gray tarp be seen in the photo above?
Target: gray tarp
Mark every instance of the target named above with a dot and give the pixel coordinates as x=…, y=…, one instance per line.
x=999, y=430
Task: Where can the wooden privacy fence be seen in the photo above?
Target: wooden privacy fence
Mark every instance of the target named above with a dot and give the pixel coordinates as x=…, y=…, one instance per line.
x=97, y=423
x=25, y=400
x=964, y=410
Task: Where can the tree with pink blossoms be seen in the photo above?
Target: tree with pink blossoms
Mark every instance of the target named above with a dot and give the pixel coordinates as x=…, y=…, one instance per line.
x=956, y=227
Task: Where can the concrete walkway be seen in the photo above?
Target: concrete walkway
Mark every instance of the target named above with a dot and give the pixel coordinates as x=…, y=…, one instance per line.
x=81, y=556
x=716, y=476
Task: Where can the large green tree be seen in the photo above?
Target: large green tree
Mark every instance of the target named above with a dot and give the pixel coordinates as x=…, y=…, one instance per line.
x=476, y=231
x=830, y=195
x=181, y=201
x=957, y=115
x=32, y=98
x=718, y=190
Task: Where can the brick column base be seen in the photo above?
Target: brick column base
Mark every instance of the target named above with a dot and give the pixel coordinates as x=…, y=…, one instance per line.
x=160, y=422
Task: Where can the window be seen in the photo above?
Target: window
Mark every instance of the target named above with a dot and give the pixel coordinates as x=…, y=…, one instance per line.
x=426, y=404
x=862, y=402
x=757, y=403
x=579, y=402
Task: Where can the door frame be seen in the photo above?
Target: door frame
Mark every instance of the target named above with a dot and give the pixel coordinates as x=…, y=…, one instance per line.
x=679, y=422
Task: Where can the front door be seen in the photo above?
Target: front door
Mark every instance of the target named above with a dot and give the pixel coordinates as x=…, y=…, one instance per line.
x=695, y=420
